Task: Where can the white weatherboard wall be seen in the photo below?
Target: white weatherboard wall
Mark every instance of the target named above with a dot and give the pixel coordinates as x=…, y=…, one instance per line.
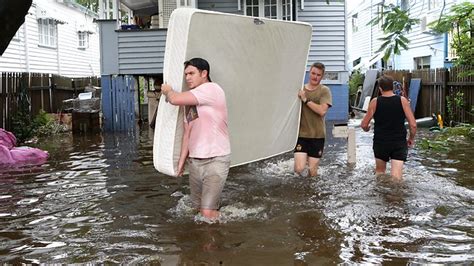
x=260, y=87
x=364, y=42
x=328, y=43
x=361, y=42
x=24, y=54
x=422, y=41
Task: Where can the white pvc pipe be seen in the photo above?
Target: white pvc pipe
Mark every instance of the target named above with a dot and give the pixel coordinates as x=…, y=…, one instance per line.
x=27, y=43
x=115, y=6
x=101, y=9
x=107, y=9
x=351, y=146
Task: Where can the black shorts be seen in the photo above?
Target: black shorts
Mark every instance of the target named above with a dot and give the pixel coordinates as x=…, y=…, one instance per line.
x=313, y=147
x=391, y=150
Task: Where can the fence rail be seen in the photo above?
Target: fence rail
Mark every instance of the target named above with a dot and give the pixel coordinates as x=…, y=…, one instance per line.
x=443, y=91
x=44, y=91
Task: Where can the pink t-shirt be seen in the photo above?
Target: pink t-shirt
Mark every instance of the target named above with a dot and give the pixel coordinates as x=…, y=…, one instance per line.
x=209, y=135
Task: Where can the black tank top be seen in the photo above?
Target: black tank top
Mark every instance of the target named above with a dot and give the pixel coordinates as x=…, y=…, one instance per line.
x=389, y=120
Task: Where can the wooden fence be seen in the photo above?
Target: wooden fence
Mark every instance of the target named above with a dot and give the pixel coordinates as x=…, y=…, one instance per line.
x=45, y=91
x=440, y=88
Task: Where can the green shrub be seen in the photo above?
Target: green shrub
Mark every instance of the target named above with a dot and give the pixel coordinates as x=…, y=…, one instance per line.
x=46, y=125
x=355, y=80
x=42, y=124
x=22, y=126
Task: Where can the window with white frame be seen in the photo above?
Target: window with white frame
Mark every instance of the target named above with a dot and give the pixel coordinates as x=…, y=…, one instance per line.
x=404, y=5
x=187, y=3
x=451, y=51
x=251, y=8
x=274, y=9
x=48, y=32
x=423, y=62
x=331, y=76
x=270, y=9
x=380, y=14
x=355, y=25
x=287, y=10
x=407, y=4
x=434, y=4
x=83, y=37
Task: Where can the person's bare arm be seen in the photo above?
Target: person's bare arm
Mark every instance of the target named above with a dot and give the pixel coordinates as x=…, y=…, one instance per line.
x=365, y=124
x=411, y=121
x=320, y=109
x=178, y=98
x=184, y=149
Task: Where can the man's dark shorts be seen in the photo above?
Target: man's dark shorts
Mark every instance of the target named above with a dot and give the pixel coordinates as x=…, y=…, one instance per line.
x=391, y=150
x=313, y=147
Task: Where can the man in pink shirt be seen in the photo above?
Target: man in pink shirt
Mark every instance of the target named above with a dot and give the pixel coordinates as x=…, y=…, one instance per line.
x=206, y=144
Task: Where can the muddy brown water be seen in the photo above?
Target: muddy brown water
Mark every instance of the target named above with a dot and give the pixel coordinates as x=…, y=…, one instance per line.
x=98, y=199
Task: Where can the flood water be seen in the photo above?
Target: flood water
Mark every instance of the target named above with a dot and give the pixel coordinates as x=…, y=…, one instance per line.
x=98, y=199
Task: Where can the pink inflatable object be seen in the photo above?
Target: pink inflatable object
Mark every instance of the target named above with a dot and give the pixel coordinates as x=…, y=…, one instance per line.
x=10, y=155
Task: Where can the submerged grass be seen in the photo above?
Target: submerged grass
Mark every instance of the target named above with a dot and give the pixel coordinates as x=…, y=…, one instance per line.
x=446, y=139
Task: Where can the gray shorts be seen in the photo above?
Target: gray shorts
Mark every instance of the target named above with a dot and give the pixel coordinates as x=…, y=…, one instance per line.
x=206, y=179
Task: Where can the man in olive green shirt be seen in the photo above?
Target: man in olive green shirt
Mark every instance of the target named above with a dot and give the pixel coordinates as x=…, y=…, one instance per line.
x=316, y=100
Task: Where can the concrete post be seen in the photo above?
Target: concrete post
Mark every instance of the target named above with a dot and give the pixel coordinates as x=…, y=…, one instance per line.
x=343, y=131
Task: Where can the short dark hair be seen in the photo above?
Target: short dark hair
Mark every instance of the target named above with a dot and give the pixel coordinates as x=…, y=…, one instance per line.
x=385, y=82
x=319, y=65
x=200, y=64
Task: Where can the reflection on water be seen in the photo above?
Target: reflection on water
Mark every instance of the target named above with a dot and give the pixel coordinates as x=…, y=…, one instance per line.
x=99, y=200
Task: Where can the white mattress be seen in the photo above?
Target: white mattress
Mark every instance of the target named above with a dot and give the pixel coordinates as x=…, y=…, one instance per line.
x=260, y=64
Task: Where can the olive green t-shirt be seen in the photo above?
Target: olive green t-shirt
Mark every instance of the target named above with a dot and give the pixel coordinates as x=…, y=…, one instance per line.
x=312, y=125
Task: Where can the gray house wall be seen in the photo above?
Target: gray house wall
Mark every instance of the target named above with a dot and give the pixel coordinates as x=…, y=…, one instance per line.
x=131, y=52
x=108, y=47
x=141, y=52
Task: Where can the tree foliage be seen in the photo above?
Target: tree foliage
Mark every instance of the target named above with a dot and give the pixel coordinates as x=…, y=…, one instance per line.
x=459, y=23
x=90, y=4
x=395, y=24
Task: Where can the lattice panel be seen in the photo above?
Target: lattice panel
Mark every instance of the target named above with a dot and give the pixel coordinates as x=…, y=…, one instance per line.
x=168, y=7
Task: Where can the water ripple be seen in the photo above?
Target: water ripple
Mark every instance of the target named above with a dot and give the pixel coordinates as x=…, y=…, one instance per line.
x=98, y=200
